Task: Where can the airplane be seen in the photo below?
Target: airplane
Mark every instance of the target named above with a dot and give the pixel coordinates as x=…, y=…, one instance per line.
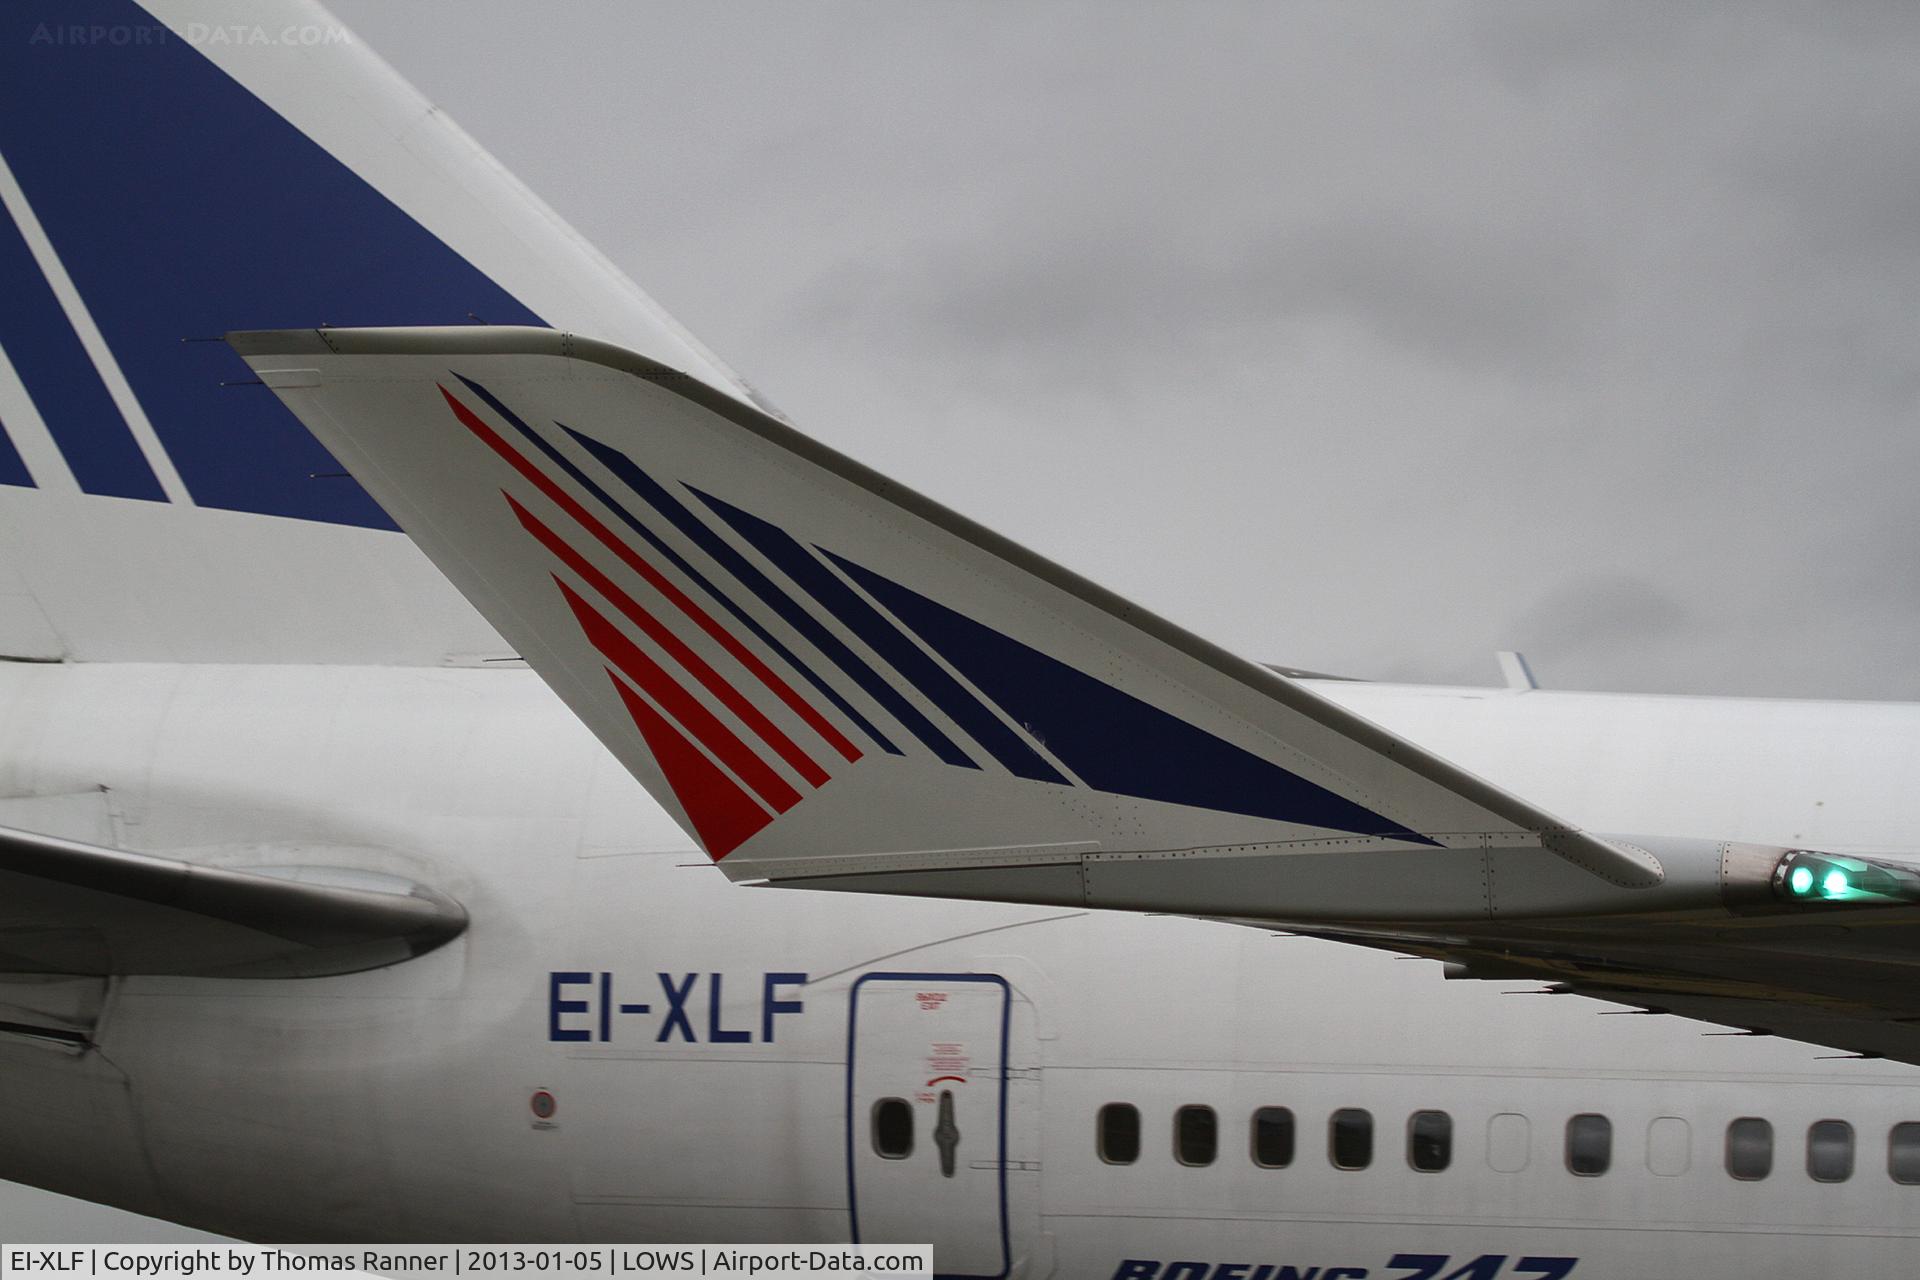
x=869, y=877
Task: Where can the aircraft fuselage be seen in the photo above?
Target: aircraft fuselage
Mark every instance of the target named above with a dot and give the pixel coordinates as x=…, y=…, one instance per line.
x=625, y=1047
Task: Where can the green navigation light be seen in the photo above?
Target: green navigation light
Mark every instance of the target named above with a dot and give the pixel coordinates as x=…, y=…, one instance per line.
x=1816, y=881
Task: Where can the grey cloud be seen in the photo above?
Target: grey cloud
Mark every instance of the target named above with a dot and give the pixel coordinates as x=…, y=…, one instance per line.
x=1612, y=614
x=1476, y=293
x=1355, y=300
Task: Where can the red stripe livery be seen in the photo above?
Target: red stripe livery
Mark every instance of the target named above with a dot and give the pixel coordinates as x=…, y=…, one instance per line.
x=677, y=648
x=700, y=617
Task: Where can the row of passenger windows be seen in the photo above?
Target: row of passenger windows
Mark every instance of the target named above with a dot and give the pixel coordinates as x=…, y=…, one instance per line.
x=1429, y=1142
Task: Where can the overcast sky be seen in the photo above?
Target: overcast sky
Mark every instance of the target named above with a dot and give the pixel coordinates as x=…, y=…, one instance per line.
x=1362, y=337
x=1366, y=338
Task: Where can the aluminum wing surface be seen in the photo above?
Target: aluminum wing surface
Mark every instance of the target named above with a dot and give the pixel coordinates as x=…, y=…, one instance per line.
x=78, y=909
x=832, y=682
x=1847, y=977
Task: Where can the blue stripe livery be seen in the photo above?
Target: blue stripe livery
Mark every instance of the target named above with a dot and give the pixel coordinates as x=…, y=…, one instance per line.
x=758, y=583
x=13, y=470
x=184, y=206
x=885, y=639
x=653, y=540
x=60, y=377
x=1111, y=739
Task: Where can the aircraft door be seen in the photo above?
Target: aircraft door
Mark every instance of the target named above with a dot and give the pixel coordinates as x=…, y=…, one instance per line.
x=927, y=1110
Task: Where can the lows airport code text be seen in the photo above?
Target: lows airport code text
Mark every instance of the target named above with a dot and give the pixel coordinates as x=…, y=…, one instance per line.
x=177, y=1262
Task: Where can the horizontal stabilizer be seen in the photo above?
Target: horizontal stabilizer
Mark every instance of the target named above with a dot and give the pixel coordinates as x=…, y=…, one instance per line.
x=831, y=680
x=1834, y=964
x=72, y=908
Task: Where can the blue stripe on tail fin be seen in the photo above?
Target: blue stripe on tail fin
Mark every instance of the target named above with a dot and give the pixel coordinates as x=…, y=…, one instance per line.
x=59, y=376
x=183, y=206
x=13, y=469
x=886, y=640
x=751, y=578
x=1111, y=739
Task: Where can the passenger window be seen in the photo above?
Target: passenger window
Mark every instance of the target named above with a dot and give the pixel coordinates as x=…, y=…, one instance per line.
x=1350, y=1138
x=1589, y=1145
x=1430, y=1141
x=1830, y=1151
x=1196, y=1135
x=1903, y=1154
x=1750, y=1149
x=1273, y=1137
x=1118, y=1133
x=893, y=1128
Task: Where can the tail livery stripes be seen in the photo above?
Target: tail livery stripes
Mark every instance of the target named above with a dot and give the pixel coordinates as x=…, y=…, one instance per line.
x=635, y=561
x=57, y=374
x=730, y=764
x=663, y=636
x=150, y=196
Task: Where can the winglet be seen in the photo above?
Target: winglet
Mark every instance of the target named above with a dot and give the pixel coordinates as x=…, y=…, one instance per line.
x=729, y=605
x=1516, y=671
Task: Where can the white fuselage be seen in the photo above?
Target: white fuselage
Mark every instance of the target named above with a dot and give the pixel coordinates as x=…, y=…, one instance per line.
x=395, y=1104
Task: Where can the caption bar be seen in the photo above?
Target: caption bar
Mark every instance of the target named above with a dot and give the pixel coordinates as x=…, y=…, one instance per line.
x=252, y=1262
